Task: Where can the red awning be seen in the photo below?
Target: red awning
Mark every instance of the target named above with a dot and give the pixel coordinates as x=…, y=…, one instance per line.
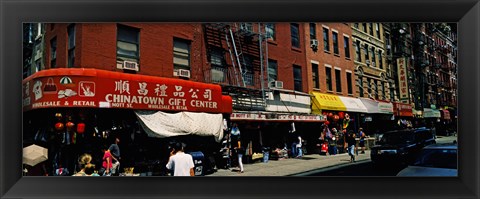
x=85, y=87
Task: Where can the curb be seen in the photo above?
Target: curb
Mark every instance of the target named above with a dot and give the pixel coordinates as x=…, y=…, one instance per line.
x=337, y=166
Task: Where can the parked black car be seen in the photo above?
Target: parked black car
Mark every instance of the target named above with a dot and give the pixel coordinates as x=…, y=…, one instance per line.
x=400, y=147
x=434, y=160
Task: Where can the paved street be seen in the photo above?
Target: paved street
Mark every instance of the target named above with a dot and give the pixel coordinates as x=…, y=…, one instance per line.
x=317, y=165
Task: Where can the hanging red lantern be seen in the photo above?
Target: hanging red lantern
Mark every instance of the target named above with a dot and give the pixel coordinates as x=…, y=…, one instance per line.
x=70, y=125
x=330, y=115
x=336, y=118
x=341, y=115
x=59, y=126
x=80, y=128
x=327, y=122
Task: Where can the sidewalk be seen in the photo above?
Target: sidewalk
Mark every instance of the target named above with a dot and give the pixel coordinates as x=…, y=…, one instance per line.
x=292, y=165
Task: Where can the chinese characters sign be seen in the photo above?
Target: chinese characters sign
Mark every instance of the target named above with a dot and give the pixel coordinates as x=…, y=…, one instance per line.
x=117, y=90
x=402, y=78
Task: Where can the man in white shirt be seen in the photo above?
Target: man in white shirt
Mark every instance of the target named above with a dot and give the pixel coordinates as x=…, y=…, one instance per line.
x=180, y=162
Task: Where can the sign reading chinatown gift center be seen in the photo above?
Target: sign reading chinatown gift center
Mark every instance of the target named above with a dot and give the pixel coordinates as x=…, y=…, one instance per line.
x=106, y=89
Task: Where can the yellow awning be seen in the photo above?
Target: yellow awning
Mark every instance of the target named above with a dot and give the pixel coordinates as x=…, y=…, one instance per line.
x=322, y=101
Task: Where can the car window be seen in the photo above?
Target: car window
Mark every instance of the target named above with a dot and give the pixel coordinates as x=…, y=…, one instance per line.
x=397, y=137
x=439, y=158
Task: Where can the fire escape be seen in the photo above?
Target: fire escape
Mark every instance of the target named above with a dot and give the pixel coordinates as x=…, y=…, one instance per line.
x=236, y=52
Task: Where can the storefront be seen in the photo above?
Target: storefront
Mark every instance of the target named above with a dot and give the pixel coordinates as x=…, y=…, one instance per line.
x=379, y=117
x=76, y=110
x=403, y=115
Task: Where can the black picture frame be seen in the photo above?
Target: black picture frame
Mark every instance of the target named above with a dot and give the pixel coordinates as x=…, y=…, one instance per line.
x=14, y=13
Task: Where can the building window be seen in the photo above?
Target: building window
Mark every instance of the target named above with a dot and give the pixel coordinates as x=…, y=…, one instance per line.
x=297, y=78
x=349, y=83
x=335, y=43
x=338, y=80
x=380, y=59
x=295, y=35
x=326, y=44
x=248, y=70
x=377, y=27
x=387, y=42
x=181, y=54
x=71, y=45
x=361, y=89
x=346, y=46
x=328, y=75
x=367, y=58
x=217, y=60
x=364, y=27
x=270, y=30
x=370, y=89
x=384, y=94
x=372, y=52
x=355, y=25
x=316, y=83
x=357, y=51
x=53, y=52
x=376, y=89
x=313, y=31
x=127, y=44
x=272, y=70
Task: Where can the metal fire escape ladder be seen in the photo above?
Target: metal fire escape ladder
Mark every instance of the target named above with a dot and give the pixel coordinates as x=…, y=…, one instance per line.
x=231, y=56
x=236, y=55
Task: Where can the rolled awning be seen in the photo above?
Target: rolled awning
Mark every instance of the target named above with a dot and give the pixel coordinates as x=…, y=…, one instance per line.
x=86, y=87
x=353, y=104
x=161, y=125
x=377, y=106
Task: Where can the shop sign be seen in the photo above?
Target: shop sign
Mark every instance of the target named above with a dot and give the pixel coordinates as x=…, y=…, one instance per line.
x=368, y=119
x=401, y=109
x=402, y=78
x=385, y=107
x=275, y=117
x=118, y=90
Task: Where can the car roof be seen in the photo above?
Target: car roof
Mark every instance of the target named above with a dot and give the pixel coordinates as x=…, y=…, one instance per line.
x=442, y=146
x=408, y=130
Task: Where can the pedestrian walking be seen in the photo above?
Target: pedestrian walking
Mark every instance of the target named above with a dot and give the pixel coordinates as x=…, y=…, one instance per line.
x=299, y=147
x=106, y=162
x=86, y=167
x=351, y=142
x=361, y=142
x=180, y=162
x=239, y=149
x=115, y=151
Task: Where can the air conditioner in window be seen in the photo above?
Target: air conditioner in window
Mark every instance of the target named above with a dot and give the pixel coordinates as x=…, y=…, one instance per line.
x=276, y=84
x=130, y=65
x=181, y=73
x=313, y=43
